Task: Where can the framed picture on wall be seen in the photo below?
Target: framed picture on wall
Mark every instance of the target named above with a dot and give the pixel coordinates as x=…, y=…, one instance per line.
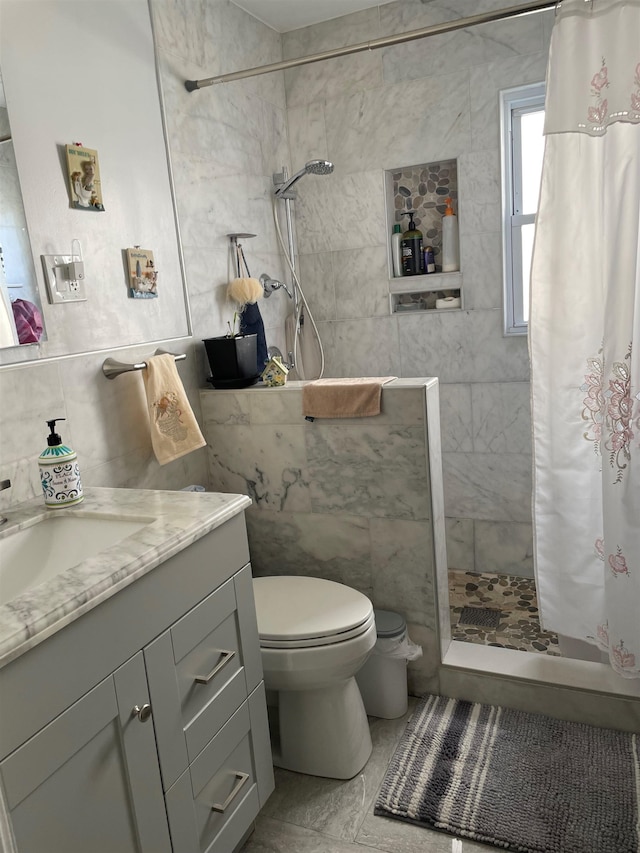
x=143, y=276
x=84, y=178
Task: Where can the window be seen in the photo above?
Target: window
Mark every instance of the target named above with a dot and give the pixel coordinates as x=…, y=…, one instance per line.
x=522, y=120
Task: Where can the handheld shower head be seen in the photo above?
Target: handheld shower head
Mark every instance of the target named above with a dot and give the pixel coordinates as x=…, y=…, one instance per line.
x=313, y=167
x=319, y=167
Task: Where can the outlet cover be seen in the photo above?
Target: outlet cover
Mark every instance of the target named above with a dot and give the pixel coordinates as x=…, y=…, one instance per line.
x=59, y=287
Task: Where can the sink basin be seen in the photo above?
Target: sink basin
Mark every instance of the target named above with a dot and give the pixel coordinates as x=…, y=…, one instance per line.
x=40, y=552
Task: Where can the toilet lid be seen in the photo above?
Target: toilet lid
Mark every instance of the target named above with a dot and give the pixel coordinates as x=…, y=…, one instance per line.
x=308, y=611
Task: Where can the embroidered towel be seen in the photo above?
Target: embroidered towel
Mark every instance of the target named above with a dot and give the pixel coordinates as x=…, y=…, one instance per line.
x=174, y=429
x=343, y=398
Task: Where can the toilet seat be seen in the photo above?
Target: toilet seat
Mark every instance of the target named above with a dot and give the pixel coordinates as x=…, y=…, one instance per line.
x=302, y=612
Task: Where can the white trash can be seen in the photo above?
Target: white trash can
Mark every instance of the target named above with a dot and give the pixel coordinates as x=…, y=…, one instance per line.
x=383, y=678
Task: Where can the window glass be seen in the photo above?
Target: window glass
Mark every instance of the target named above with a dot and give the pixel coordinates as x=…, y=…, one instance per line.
x=532, y=141
x=522, y=126
x=527, y=253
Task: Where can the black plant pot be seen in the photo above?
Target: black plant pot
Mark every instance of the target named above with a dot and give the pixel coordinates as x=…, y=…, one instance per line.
x=233, y=361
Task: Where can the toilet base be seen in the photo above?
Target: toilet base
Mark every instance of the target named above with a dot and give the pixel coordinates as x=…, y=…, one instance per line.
x=323, y=732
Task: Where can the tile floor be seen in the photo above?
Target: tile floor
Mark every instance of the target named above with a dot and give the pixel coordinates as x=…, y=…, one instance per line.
x=514, y=597
x=307, y=814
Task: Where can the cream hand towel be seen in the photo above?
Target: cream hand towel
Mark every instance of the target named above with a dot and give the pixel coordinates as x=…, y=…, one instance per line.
x=174, y=429
x=343, y=398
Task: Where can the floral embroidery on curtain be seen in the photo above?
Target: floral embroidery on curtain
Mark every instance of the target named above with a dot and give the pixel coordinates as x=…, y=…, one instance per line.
x=599, y=115
x=623, y=658
x=609, y=411
x=596, y=115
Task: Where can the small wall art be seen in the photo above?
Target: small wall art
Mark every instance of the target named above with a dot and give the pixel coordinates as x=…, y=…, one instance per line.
x=143, y=276
x=84, y=178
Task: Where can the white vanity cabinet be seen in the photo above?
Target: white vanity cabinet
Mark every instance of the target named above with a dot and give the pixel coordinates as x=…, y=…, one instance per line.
x=142, y=726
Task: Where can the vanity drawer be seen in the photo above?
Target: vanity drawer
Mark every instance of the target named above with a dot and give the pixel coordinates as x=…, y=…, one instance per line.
x=196, y=679
x=208, y=665
x=214, y=801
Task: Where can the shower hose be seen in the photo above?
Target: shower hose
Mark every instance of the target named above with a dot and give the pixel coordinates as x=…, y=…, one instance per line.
x=302, y=302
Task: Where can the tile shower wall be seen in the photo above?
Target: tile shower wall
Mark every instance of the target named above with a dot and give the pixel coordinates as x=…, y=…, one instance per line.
x=225, y=143
x=423, y=102
x=348, y=500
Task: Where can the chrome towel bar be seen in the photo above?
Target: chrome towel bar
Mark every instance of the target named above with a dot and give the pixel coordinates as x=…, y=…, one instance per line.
x=112, y=368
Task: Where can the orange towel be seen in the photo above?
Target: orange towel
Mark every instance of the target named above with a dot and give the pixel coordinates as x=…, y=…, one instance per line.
x=174, y=429
x=343, y=398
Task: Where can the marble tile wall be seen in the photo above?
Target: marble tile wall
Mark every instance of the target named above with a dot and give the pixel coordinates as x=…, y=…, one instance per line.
x=349, y=500
x=225, y=143
x=424, y=101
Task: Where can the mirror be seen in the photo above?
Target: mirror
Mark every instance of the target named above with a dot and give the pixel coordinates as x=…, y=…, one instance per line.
x=20, y=309
x=113, y=107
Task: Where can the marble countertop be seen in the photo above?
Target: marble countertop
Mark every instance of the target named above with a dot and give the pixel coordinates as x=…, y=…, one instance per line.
x=176, y=520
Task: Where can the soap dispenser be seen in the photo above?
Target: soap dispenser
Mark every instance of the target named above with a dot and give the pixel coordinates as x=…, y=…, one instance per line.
x=59, y=471
x=450, y=243
x=412, y=248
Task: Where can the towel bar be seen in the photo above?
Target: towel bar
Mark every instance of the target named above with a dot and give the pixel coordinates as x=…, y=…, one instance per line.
x=112, y=368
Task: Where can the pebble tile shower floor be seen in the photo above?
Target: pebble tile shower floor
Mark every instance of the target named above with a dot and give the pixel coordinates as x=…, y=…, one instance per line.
x=516, y=600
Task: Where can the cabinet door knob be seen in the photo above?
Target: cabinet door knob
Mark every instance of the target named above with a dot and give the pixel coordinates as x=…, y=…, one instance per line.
x=225, y=657
x=142, y=713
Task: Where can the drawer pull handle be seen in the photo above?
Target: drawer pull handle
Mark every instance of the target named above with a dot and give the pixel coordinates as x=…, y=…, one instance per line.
x=222, y=807
x=225, y=657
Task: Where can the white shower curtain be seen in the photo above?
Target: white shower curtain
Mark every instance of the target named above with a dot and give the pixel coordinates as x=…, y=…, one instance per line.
x=584, y=333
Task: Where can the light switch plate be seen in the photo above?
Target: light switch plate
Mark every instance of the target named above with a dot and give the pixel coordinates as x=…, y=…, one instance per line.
x=59, y=288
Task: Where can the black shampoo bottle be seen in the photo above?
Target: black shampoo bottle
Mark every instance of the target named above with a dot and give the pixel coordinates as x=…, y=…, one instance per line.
x=412, y=248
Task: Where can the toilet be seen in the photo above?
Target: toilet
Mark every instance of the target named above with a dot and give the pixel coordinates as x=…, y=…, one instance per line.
x=315, y=635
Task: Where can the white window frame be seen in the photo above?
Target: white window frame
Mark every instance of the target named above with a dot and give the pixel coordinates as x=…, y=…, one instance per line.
x=513, y=104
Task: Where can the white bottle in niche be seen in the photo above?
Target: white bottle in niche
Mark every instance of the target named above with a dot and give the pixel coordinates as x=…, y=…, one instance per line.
x=450, y=243
x=396, y=250
x=59, y=472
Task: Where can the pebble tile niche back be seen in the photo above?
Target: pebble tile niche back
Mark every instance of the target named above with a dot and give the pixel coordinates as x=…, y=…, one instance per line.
x=424, y=189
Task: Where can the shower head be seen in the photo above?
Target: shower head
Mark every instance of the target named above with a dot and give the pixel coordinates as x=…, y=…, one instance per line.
x=313, y=167
x=319, y=167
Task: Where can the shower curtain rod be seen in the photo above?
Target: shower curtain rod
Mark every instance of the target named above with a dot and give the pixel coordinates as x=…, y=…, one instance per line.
x=374, y=44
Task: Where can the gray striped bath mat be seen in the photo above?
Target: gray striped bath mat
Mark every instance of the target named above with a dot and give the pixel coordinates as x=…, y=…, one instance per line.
x=516, y=780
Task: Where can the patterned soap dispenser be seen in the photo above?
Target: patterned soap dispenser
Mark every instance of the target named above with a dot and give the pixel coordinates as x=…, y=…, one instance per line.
x=59, y=472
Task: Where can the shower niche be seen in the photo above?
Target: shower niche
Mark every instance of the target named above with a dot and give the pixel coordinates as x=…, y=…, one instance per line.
x=423, y=188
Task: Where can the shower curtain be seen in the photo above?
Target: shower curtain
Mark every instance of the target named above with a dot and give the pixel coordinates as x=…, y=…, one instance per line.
x=584, y=333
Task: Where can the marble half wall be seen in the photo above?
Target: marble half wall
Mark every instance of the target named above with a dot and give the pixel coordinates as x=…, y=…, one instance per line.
x=356, y=500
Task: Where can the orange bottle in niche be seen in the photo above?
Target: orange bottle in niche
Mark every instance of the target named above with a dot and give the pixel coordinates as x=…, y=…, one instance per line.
x=450, y=241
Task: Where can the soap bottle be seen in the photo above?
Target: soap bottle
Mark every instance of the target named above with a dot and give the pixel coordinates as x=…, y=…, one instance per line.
x=59, y=472
x=396, y=250
x=450, y=243
x=429, y=260
x=412, y=248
